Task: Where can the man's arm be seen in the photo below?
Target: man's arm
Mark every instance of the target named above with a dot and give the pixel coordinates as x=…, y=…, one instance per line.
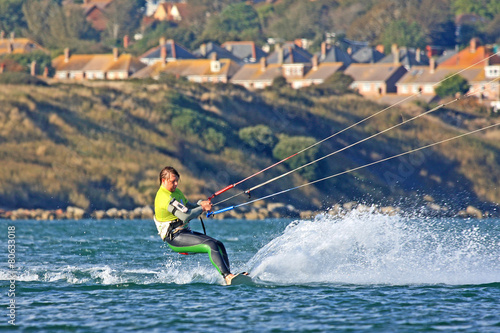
x=184, y=213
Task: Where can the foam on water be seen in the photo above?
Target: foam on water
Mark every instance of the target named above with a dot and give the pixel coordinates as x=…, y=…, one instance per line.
x=171, y=272
x=370, y=248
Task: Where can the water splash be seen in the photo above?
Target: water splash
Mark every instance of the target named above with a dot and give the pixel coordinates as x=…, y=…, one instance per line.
x=171, y=272
x=371, y=248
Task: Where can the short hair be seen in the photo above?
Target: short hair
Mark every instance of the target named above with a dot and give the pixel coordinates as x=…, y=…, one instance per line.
x=166, y=172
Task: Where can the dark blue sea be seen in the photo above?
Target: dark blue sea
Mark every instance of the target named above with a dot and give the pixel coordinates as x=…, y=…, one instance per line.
x=364, y=272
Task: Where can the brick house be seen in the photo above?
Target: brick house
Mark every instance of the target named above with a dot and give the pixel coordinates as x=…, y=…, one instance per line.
x=257, y=76
x=168, y=11
x=95, y=13
x=424, y=79
x=207, y=49
x=13, y=45
x=289, y=61
x=95, y=66
x=474, y=55
x=408, y=57
x=247, y=51
x=296, y=65
x=167, y=50
x=195, y=70
x=375, y=79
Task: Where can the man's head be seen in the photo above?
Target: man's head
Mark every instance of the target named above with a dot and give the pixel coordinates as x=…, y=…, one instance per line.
x=169, y=178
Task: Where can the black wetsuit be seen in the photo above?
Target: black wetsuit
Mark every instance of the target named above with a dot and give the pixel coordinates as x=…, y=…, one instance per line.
x=188, y=241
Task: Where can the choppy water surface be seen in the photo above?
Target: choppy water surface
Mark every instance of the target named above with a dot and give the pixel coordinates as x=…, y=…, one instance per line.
x=363, y=272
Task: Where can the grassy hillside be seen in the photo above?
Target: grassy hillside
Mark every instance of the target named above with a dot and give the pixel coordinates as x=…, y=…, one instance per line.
x=102, y=145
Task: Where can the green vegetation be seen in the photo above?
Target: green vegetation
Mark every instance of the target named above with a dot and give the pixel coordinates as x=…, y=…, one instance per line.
x=401, y=32
x=288, y=146
x=25, y=59
x=259, y=137
x=99, y=145
x=452, y=85
x=20, y=78
x=236, y=22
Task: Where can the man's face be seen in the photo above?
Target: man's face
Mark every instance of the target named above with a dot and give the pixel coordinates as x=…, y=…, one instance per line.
x=171, y=182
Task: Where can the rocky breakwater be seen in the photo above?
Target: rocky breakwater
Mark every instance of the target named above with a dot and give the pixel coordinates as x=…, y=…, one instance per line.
x=259, y=211
x=76, y=213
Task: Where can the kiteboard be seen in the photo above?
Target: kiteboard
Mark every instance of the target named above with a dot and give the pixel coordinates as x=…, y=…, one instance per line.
x=241, y=278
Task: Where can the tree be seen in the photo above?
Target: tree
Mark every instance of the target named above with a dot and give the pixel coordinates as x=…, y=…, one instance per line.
x=289, y=145
x=402, y=33
x=302, y=19
x=11, y=16
x=25, y=59
x=483, y=8
x=260, y=137
x=337, y=84
x=279, y=83
x=55, y=26
x=124, y=18
x=451, y=85
x=236, y=22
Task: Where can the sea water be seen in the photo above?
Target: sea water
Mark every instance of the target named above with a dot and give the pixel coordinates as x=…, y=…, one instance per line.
x=361, y=272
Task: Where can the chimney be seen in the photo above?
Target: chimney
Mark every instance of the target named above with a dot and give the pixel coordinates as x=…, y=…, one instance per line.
x=115, y=53
x=395, y=53
x=214, y=63
x=66, y=55
x=254, y=52
x=126, y=41
x=279, y=50
x=2, y=68
x=263, y=64
x=163, y=54
x=33, y=68
x=473, y=45
x=323, y=50
x=315, y=62
x=203, y=50
x=418, y=56
x=172, y=45
x=162, y=41
x=432, y=65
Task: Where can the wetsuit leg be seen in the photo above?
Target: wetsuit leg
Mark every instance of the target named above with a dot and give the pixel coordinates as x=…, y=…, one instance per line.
x=195, y=242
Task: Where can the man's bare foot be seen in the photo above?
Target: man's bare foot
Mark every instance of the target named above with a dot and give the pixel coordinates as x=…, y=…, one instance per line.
x=228, y=278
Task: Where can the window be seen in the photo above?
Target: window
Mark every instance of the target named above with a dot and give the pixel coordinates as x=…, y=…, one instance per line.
x=492, y=71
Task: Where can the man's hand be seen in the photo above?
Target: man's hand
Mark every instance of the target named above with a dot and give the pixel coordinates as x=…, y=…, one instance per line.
x=206, y=205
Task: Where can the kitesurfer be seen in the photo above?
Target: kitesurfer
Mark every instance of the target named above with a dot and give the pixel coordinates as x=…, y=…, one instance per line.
x=173, y=212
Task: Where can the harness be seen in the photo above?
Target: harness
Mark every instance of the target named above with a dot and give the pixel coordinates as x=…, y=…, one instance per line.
x=168, y=228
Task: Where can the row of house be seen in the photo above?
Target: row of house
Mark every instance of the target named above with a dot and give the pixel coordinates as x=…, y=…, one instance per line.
x=400, y=73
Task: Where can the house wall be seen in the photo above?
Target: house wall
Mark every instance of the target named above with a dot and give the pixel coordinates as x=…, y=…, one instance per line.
x=97, y=19
x=370, y=88
x=391, y=82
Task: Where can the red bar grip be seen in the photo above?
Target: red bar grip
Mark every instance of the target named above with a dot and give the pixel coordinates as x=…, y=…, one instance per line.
x=221, y=191
x=224, y=190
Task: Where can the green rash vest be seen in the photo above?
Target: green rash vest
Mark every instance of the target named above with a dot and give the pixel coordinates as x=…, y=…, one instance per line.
x=163, y=197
